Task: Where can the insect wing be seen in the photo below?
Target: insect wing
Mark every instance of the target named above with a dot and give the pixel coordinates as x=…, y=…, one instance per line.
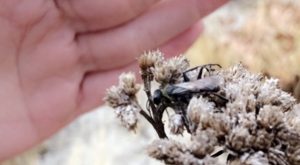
x=175, y=90
x=190, y=86
x=207, y=84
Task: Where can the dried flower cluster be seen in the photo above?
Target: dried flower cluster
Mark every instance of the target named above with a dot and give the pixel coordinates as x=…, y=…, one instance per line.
x=244, y=114
x=123, y=99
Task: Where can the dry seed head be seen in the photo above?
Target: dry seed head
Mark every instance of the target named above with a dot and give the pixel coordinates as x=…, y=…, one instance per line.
x=219, y=122
x=269, y=93
x=201, y=104
x=292, y=118
x=173, y=152
x=170, y=71
x=124, y=93
x=270, y=116
x=169, y=151
x=128, y=84
x=198, y=108
x=128, y=116
x=248, y=121
x=239, y=139
x=149, y=59
x=181, y=63
x=276, y=156
x=176, y=124
x=194, y=114
x=203, y=143
x=263, y=140
x=294, y=157
x=116, y=97
x=257, y=158
x=162, y=74
x=287, y=136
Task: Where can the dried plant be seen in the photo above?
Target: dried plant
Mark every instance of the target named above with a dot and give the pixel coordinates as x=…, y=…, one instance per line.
x=244, y=114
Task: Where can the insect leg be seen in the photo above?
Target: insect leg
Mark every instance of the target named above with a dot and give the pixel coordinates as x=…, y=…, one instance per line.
x=218, y=153
x=186, y=123
x=201, y=72
x=185, y=76
x=222, y=100
x=208, y=67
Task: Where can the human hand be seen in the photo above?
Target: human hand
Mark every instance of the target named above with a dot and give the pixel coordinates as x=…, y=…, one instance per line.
x=59, y=56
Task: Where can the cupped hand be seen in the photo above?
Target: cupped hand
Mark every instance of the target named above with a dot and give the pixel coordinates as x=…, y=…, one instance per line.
x=58, y=56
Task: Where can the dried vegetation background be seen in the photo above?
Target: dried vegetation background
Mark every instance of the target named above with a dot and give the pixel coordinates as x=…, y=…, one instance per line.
x=262, y=34
x=267, y=41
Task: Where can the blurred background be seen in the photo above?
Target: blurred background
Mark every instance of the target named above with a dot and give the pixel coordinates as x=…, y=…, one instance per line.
x=264, y=35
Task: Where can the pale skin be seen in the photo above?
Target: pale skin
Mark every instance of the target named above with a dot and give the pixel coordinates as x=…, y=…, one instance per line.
x=57, y=57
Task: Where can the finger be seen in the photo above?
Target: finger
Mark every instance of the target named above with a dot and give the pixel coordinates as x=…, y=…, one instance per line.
x=149, y=31
x=181, y=43
x=90, y=15
x=95, y=84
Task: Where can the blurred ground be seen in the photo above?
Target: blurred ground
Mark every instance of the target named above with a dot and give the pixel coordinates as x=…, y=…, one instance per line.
x=262, y=34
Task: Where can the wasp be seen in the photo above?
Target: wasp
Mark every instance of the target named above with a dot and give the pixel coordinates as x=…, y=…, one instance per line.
x=180, y=94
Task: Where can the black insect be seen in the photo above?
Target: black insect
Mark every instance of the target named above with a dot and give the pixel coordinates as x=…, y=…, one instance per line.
x=178, y=96
x=174, y=95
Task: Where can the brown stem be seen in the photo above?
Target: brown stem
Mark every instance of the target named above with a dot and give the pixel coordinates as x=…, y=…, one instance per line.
x=147, y=117
x=156, y=118
x=160, y=130
x=147, y=89
x=156, y=123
